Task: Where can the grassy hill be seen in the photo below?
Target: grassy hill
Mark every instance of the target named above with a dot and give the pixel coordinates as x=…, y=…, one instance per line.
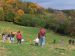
x=61, y=48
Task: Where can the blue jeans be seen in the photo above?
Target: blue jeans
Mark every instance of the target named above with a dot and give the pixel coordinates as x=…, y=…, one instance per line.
x=42, y=41
x=12, y=39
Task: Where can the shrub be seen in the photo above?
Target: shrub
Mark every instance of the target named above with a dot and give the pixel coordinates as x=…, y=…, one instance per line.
x=9, y=17
x=30, y=20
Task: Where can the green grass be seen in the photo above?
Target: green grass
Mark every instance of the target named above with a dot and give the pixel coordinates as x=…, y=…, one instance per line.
x=58, y=49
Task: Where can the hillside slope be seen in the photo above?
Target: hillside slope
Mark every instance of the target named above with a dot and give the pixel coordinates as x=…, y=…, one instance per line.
x=25, y=49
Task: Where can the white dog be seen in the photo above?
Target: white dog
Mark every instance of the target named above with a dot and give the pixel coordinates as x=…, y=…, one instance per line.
x=36, y=41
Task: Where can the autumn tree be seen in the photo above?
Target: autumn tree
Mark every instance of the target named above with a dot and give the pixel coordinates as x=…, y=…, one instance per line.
x=1, y=14
x=10, y=1
x=20, y=12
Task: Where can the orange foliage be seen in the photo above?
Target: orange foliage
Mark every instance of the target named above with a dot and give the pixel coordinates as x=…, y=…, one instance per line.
x=20, y=12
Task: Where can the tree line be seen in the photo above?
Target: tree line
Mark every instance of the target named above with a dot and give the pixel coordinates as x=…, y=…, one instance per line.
x=32, y=14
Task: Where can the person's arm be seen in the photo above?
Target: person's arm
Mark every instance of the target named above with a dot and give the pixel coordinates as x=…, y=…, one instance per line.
x=21, y=35
x=39, y=35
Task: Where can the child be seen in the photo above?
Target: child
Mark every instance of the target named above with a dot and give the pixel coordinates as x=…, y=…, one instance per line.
x=3, y=37
x=19, y=37
x=12, y=37
x=9, y=38
x=36, y=41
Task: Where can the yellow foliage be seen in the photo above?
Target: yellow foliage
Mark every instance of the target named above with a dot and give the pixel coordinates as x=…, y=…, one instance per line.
x=34, y=5
x=10, y=1
x=16, y=18
x=20, y=12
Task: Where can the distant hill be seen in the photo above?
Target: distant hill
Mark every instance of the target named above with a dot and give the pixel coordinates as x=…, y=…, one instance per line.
x=34, y=15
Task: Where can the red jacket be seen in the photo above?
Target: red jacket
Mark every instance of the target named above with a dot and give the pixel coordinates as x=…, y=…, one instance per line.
x=41, y=33
x=19, y=36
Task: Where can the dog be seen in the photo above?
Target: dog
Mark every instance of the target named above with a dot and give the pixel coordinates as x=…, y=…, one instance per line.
x=36, y=41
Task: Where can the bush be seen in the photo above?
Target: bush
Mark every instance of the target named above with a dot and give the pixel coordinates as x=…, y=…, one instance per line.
x=30, y=20
x=9, y=17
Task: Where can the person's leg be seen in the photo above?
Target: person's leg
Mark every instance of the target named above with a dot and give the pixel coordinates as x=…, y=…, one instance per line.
x=43, y=41
x=40, y=40
x=12, y=40
x=19, y=41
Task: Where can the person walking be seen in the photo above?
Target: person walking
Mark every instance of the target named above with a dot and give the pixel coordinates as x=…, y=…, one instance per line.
x=41, y=36
x=19, y=37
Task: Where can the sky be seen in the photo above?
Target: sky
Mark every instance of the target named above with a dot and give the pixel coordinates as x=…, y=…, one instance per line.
x=55, y=4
